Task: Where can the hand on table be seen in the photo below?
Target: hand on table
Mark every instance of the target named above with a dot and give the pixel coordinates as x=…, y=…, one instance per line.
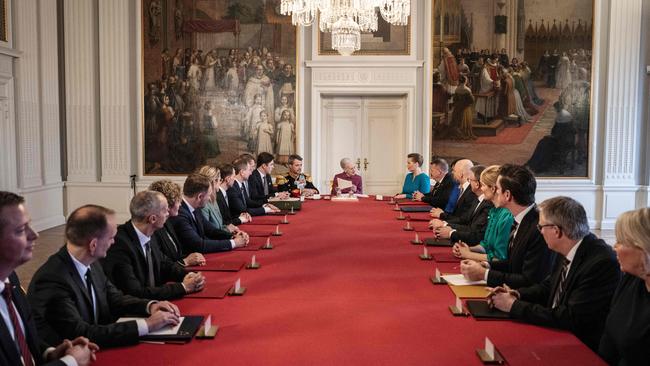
x=194, y=259
x=417, y=196
x=399, y=196
x=81, y=349
x=472, y=270
x=443, y=232
x=232, y=228
x=502, y=297
x=240, y=241
x=193, y=282
x=282, y=195
x=308, y=192
x=436, y=212
x=460, y=250
x=436, y=223
x=162, y=313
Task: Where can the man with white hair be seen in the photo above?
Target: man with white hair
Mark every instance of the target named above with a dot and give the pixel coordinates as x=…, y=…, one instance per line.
x=349, y=173
x=461, y=199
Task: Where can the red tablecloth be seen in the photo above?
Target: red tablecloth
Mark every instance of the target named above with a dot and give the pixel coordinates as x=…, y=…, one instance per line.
x=343, y=286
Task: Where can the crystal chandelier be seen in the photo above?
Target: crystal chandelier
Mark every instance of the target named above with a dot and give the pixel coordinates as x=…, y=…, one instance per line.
x=346, y=19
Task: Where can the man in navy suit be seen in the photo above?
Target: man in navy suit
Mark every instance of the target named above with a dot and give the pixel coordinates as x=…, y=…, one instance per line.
x=192, y=228
x=238, y=196
x=260, y=183
x=19, y=341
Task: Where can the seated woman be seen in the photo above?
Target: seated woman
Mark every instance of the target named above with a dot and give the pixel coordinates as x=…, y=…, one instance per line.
x=416, y=180
x=350, y=174
x=626, y=338
x=494, y=245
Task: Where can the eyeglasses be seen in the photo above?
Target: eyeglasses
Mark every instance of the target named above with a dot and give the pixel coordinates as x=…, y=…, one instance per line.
x=540, y=227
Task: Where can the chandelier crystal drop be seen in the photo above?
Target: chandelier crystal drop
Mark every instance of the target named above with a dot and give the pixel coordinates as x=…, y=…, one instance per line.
x=346, y=19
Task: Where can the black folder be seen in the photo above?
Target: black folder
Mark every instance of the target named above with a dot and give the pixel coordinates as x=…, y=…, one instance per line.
x=432, y=242
x=481, y=310
x=415, y=208
x=189, y=327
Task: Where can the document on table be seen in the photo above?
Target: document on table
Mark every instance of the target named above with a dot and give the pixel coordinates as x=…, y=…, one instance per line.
x=166, y=330
x=343, y=184
x=460, y=280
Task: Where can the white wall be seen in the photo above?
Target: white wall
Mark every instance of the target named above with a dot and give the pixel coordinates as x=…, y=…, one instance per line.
x=29, y=102
x=103, y=94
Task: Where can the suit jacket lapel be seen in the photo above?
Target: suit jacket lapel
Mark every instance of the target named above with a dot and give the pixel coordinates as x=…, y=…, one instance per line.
x=575, y=264
x=72, y=271
x=169, y=230
x=101, y=306
x=10, y=348
x=134, y=242
x=193, y=218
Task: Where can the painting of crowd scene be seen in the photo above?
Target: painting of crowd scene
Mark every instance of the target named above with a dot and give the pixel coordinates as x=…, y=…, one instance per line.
x=512, y=83
x=219, y=81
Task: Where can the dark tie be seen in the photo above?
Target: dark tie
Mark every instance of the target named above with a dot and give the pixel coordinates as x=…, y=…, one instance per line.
x=511, y=238
x=244, y=192
x=266, y=187
x=435, y=188
x=560, y=286
x=89, y=287
x=147, y=250
x=18, y=331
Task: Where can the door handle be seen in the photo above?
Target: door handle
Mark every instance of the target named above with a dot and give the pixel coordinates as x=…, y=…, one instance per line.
x=359, y=163
x=365, y=163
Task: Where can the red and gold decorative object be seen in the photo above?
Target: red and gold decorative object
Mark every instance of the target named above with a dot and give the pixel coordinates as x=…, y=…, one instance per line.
x=295, y=193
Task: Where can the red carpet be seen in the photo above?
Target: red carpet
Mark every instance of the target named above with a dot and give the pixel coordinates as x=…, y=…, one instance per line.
x=343, y=286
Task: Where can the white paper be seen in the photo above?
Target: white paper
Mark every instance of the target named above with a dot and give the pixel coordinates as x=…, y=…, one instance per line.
x=166, y=330
x=460, y=280
x=359, y=195
x=489, y=348
x=379, y=197
x=343, y=184
x=237, y=284
x=459, y=304
x=437, y=274
x=253, y=261
x=207, y=324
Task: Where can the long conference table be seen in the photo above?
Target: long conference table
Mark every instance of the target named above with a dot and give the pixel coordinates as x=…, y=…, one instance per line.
x=343, y=285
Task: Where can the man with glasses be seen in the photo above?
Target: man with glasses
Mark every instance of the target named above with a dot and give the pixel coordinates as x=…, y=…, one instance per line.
x=576, y=296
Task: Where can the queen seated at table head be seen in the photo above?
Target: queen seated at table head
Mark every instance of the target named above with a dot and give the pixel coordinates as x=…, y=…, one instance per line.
x=349, y=173
x=416, y=180
x=626, y=339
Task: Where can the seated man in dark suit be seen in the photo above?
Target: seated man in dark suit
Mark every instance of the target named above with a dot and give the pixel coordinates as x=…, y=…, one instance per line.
x=227, y=173
x=529, y=259
x=470, y=227
x=440, y=192
x=464, y=198
x=260, y=182
x=72, y=297
x=195, y=234
x=135, y=263
x=239, y=198
x=576, y=296
x=19, y=341
x=166, y=237
x=296, y=182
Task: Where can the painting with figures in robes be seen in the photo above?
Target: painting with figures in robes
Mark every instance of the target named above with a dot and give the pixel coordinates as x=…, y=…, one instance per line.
x=219, y=81
x=512, y=83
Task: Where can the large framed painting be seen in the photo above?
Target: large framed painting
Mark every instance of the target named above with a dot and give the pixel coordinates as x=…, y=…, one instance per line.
x=388, y=40
x=512, y=83
x=219, y=79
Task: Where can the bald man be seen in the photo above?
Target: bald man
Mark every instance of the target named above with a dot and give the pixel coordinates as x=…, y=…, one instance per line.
x=461, y=199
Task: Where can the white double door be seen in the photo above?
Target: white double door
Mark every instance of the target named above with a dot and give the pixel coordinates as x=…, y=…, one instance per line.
x=371, y=132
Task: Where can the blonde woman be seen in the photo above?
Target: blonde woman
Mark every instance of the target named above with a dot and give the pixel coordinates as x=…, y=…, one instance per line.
x=211, y=208
x=626, y=339
x=494, y=245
